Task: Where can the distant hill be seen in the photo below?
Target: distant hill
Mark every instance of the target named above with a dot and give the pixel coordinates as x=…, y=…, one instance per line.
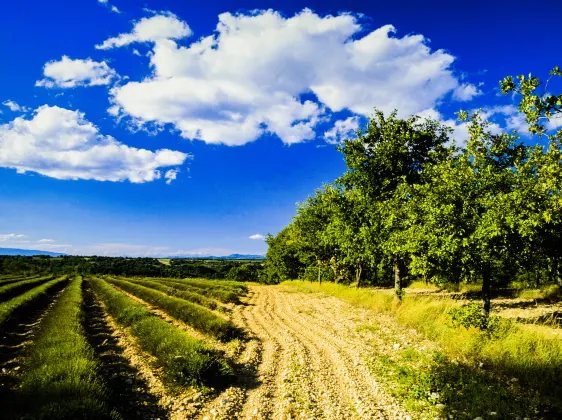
x=28, y=252
x=226, y=257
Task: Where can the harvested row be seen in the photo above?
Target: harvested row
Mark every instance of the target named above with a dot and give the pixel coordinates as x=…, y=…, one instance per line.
x=61, y=378
x=198, y=317
x=185, y=360
x=10, y=290
x=226, y=296
x=182, y=294
x=9, y=307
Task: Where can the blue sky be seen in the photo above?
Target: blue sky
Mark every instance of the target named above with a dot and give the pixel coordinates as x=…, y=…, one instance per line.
x=173, y=127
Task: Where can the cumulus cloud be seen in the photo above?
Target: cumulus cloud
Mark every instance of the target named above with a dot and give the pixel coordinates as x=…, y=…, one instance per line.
x=69, y=73
x=341, y=130
x=257, y=236
x=62, y=144
x=263, y=73
x=14, y=106
x=152, y=29
x=466, y=92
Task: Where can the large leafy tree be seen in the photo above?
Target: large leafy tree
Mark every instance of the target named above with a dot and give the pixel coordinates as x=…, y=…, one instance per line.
x=390, y=153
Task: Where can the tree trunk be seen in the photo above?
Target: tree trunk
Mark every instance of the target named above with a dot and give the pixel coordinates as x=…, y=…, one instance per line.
x=558, y=272
x=319, y=274
x=358, y=275
x=397, y=280
x=486, y=299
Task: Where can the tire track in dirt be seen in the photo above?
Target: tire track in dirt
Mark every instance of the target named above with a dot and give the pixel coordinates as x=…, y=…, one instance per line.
x=329, y=378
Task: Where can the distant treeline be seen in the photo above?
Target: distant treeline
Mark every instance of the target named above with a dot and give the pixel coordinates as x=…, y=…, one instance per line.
x=120, y=266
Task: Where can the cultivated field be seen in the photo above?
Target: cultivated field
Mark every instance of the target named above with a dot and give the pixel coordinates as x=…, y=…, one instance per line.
x=154, y=348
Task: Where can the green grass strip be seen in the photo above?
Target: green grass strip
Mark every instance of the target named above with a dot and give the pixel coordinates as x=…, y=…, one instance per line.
x=170, y=290
x=184, y=359
x=225, y=296
x=12, y=289
x=7, y=308
x=198, y=317
x=61, y=378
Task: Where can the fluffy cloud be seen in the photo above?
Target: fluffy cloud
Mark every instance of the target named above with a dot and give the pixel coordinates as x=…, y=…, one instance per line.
x=264, y=73
x=61, y=144
x=14, y=106
x=153, y=29
x=466, y=92
x=341, y=130
x=69, y=73
x=170, y=175
x=114, y=9
x=257, y=236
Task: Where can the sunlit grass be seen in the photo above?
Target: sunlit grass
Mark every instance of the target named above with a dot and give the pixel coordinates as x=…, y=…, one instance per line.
x=528, y=354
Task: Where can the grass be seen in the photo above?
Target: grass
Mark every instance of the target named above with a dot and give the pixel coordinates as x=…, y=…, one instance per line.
x=204, y=288
x=170, y=290
x=9, y=307
x=13, y=289
x=184, y=359
x=61, y=378
x=198, y=317
x=550, y=292
x=521, y=359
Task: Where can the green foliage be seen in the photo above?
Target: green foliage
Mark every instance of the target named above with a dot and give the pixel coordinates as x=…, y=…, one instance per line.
x=171, y=291
x=198, y=317
x=8, y=308
x=471, y=316
x=245, y=272
x=61, y=378
x=220, y=292
x=15, y=288
x=185, y=360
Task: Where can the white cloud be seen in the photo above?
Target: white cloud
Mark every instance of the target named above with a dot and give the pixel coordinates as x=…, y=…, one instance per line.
x=114, y=9
x=257, y=236
x=466, y=92
x=171, y=175
x=62, y=144
x=152, y=29
x=249, y=78
x=102, y=1
x=14, y=106
x=46, y=240
x=341, y=130
x=69, y=73
x=11, y=236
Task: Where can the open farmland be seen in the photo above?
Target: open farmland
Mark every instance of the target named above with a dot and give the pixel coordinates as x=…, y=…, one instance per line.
x=113, y=347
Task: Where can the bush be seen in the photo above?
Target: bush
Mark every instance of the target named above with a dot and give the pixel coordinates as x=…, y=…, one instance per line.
x=470, y=316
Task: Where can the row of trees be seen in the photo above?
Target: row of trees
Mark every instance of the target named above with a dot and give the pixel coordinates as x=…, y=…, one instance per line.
x=412, y=204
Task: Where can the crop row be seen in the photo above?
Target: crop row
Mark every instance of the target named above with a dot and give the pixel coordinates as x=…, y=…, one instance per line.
x=170, y=290
x=198, y=317
x=14, y=288
x=218, y=293
x=184, y=359
x=61, y=377
x=9, y=307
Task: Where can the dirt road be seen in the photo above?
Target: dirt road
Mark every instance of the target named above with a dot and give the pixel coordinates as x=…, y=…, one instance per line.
x=305, y=360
